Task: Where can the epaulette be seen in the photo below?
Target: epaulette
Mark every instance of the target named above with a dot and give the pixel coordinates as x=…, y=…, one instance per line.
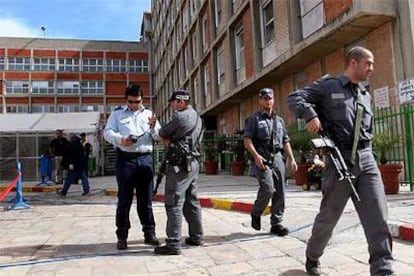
x=147, y=107
x=324, y=78
x=118, y=108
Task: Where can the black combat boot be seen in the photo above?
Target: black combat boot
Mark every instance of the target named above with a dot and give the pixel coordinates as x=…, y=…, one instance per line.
x=192, y=242
x=165, y=250
x=151, y=239
x=256, y=222
x=313, y=268
x=121, y=244
x=279, y=230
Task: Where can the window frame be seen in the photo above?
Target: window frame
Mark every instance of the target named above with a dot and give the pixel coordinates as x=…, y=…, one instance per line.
x=267, y=39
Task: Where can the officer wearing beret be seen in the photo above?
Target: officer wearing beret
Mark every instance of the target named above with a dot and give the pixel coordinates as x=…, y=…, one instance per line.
x=182, y=135
x=266, y=139
x=341, y=107
x=131, y=129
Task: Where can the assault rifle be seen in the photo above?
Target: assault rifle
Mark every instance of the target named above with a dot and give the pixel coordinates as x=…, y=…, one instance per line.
x=342, y=170
x=160, y=174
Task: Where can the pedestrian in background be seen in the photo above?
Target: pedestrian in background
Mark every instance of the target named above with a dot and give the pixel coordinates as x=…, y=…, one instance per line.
x=266, y=139
x=341, y=107
x=131, y=129
x=56, y=150
x=74, y=157
x=88, y=150
x=182, y=135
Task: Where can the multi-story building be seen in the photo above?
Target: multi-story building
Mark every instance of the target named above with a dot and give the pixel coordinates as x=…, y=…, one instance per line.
x=225, y=51
x=67, y=75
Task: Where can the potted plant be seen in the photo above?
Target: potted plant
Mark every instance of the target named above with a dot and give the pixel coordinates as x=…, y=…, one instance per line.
x=383, y=142
x=300, y=143
x=238, y=165
x=210, y=154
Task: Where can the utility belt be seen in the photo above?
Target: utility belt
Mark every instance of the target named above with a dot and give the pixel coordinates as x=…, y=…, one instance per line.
x=361, y=145
x=126, y=154
x=179, y=158
x=269, y=156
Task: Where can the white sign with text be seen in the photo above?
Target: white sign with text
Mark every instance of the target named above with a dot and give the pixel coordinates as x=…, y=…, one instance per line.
x=406, y=91
x=382, y=98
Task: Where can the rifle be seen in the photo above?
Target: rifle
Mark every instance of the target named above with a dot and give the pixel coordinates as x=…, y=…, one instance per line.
x=160, y=174
x=342, y=170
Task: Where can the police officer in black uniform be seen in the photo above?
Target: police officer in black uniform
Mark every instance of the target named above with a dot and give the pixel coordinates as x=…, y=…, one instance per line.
x=266, y=138
x=182, y=135
x=331, y=104
x=131, y=130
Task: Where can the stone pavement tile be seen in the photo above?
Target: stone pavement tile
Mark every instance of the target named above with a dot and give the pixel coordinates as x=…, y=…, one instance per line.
x=227, y=253
x=259, y=250
x=351, y=268
x=17, y=271
x=189, y=272
x=275, y=263
x=174, y=263
x=287, y=243
x=232, y=269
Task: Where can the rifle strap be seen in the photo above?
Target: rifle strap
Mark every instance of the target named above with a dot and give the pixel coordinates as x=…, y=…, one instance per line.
x=358, y=123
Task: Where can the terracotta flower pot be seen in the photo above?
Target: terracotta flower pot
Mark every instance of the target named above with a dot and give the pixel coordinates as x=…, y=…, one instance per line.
x=391, y=176
x=238, y=167
x=210, y=167
x=301, y=175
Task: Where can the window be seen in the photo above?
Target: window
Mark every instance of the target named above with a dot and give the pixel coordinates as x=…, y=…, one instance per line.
x=93, y=108
x=116, y=65
x=17, y=109
x=220, y=65
x=217, y=12
x=92, y=87
x=268, y=31
x=194, y=6
x=68, y=108
x=68, y=87
x=44, y=64
x=92, y=65
x=69, y=64
x=19, y=63
x=138, y=65
x=43, y=87
x=1, y=63
x=239, y=44
x=17, y=87
x=185, y=18
x=38, y=108
x=204, y=33
x=185, y=61
x=206, y=79
x=235, y=5
x=195, y=47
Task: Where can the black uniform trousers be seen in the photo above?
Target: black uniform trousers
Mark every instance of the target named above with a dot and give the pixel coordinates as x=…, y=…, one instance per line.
x=134, y=173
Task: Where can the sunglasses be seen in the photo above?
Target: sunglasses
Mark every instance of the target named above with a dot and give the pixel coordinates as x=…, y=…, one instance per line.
x=134, y=102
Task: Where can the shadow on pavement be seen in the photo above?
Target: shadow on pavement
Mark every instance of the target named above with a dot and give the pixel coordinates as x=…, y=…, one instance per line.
x=294, y=272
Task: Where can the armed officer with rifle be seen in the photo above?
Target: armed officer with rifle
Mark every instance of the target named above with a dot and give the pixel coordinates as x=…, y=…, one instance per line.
x=183, y=136
x=266, y=139
x=340, y=109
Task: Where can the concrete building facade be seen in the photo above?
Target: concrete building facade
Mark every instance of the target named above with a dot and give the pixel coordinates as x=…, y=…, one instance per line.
x=225, y=51
x=66, y=75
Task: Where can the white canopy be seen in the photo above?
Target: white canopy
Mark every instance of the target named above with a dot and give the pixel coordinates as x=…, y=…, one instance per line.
x=48, y=122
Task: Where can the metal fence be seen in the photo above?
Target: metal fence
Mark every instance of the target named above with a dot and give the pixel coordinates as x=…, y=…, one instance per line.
x=399, y=122
x=393, y=121
x=224, y=149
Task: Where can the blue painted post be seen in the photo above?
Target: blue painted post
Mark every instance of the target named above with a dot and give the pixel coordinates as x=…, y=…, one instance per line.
x=20, y=204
